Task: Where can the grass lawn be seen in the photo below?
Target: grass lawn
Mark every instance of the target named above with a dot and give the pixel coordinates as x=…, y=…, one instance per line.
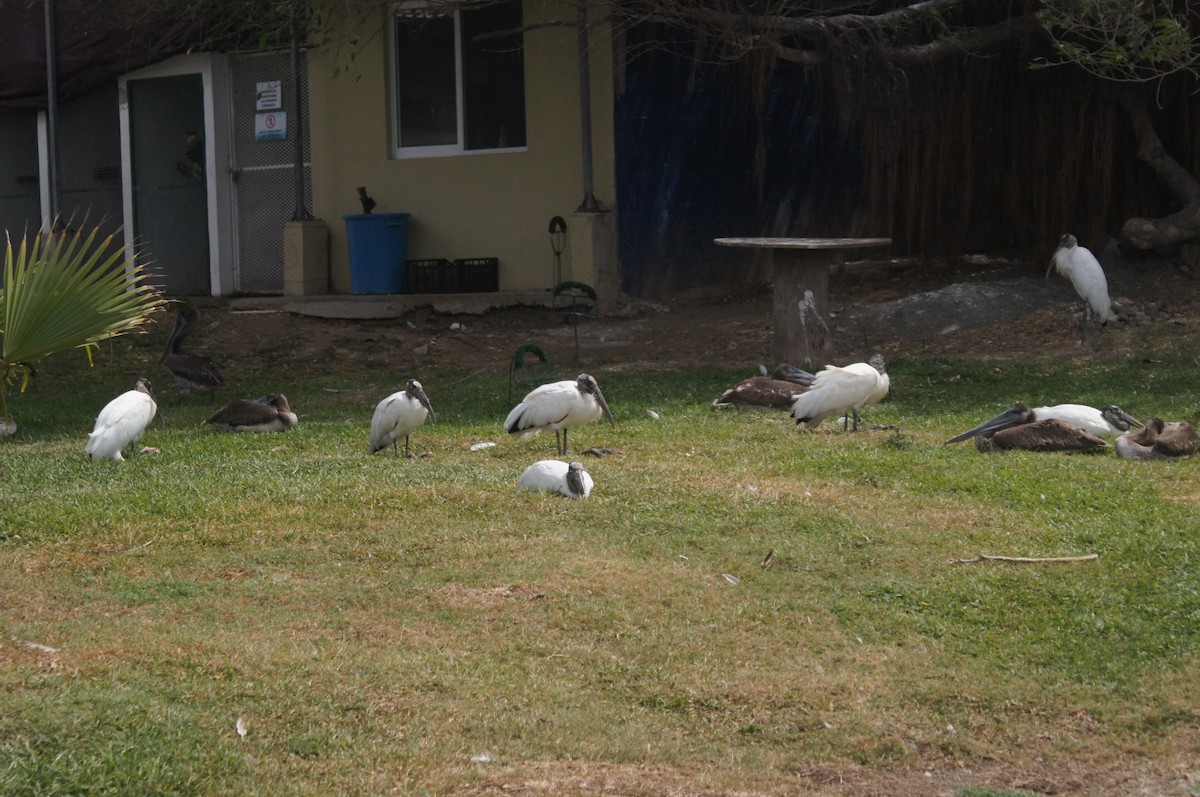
x=382, y=625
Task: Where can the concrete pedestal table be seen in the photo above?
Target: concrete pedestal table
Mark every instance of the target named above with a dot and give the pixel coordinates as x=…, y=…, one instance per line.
x=800, y=272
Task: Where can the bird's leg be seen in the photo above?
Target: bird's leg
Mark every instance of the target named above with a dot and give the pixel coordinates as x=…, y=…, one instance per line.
x=560, y=444
x=406, y=454
x=855, y=414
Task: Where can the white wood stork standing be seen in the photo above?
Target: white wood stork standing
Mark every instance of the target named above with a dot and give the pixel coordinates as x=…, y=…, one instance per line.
x=838, y=390
x=1107, y=422
x=555, y=476
x=194, y=373
x=558, y=406
x=1159, y=440
x=270, y=413
x=397, y=415
x=122, y=422
x=1079, y=265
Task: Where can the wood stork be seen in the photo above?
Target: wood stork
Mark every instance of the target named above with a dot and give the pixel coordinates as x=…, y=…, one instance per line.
x=1107, y=422
x=194, y=373
x=838, y=390
x=397, y=415
x=270, y=413
x=558, y=406
x=555, y=476
x=1079, y=265
x=121, y=423
x=1159, y=440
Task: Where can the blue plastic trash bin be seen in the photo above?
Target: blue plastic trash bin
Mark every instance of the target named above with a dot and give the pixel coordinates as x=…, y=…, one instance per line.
x=378, y=244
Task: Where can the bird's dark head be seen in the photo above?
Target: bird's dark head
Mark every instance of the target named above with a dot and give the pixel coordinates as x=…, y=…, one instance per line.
x=1118, y=417
x=414, y=390
x=877, y=363
x=1068, y=241
x=587, y=386
x=276, y=400
x=143, y=384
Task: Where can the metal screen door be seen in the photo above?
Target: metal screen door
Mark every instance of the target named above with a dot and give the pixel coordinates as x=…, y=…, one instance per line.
x=263, y=166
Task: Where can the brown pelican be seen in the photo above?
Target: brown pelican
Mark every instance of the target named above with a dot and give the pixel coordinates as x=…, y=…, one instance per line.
x=1064, y=427
x=777, y=391
x=1080, y=266
x=1107, y=422
x=558, y=406
x=1159, y=440
x=842, y=390
x=553, y=476
x=194, y=373
x=270, y=413
x=397, y=415
x=122, y=422
x=1048, y=435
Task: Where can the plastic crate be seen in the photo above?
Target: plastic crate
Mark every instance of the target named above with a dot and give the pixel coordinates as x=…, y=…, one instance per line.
x=479, y=274
x=435, y=275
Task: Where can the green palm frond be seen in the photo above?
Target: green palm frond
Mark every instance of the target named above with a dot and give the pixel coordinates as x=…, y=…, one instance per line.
x=66, y=290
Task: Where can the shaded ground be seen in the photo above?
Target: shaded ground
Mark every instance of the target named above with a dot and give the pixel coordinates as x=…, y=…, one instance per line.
x=997, y=308
x=974, y=307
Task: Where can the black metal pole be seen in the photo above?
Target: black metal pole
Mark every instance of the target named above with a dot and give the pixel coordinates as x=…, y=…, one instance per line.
x=51, y=116
x=585, y=107
x=301, y=213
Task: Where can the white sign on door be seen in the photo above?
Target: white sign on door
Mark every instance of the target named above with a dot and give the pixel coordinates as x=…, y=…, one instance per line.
x=269, y=95
x=270, y=126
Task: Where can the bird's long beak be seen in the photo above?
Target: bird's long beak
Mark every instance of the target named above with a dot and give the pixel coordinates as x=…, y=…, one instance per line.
x=1002, y=421
x=421, y=397
x=604, y=406
x=1049, y=269
x=1129, y=419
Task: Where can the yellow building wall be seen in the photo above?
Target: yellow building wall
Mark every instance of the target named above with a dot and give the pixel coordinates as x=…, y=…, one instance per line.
x=475, y=205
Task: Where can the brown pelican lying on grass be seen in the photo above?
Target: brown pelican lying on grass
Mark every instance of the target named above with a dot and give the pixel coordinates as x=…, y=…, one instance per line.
x=777, y=391
x=1159, y=439
x=1063, y=427
x=270, y=413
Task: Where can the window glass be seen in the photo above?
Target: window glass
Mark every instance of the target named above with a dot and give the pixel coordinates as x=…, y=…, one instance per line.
x=426, y=78
x=469, y=61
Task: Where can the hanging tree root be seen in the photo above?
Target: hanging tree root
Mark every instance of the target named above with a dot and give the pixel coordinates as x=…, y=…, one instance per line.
x=983, y=557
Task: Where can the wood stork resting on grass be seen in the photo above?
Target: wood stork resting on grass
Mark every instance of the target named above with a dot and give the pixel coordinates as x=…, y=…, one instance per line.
x=397, y=415
x=1107, y=422
x=1079, y=265
x=777, y=391
x=558, y=406
x=842, y=390
x=122, y=422
x=194, y=373
x=270, y=413
x=555, y=476
x=1159, y=439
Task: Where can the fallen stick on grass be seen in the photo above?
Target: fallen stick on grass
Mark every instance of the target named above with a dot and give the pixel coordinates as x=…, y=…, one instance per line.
x=983, y=557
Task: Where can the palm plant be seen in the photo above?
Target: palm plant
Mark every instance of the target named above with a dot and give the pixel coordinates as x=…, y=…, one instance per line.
x=65, y=290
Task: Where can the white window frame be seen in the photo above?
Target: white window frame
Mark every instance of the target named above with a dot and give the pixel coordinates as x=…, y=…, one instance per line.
x=436, y=150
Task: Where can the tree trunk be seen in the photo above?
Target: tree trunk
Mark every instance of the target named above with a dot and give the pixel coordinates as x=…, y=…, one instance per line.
x=1181, y=226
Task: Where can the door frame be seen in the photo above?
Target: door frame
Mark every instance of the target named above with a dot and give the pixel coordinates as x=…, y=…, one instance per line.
x=213, y=69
